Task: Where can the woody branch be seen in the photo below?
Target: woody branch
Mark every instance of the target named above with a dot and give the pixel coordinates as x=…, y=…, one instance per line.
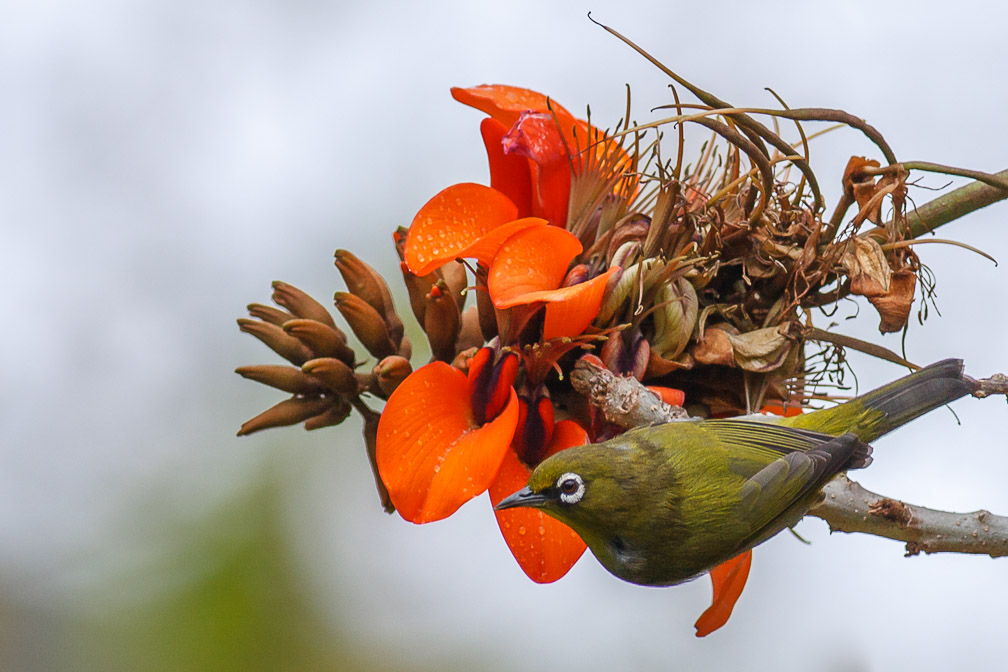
x=847, y=506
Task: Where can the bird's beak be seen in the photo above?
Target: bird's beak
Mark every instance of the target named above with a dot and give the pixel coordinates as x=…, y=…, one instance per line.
x=524, y=497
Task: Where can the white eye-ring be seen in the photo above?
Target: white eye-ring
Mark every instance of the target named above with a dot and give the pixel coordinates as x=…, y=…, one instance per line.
x=571, y=488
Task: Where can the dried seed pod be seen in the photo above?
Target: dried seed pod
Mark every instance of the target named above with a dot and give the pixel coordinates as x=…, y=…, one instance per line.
x=367, y=324
x=277, y=339
x=300, y=304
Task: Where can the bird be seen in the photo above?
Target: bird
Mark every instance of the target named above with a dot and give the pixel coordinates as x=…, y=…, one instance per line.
x=663, y=504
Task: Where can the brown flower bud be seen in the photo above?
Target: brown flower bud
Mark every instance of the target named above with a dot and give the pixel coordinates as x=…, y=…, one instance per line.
x=332, y=373
x=323, y=340
x=368, y=284
x=277, y=339
x=454, y=275
x=575, y=276
x=287, y=412
x=371, y=443
x=399, y=239
x=300, y=304
x=470, y=335
x=441, y=322
x=269, y=314
x=333, y=415
x=391, y=371
x=286, y=378
x=367, y=324
x=418, y=287
x=484, y=306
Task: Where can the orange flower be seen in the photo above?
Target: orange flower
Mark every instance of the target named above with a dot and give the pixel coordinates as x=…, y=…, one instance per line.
x=544, y=547
x=436, y=449
x=445, y=437
x=526, y=124
x=529, y=269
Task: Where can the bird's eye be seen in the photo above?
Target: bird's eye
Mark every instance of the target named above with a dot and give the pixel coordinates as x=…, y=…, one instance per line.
x=571, y=488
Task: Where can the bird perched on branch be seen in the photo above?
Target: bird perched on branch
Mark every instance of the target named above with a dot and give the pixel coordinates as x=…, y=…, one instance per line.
x=660, y=505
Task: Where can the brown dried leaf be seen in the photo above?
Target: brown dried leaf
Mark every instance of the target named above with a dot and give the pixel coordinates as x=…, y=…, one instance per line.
x=760, y=350
x=715, y=347
x=894, y=306
x=867, y=268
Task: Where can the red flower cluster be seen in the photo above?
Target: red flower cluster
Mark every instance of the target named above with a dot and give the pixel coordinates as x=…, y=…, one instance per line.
x=450, y=432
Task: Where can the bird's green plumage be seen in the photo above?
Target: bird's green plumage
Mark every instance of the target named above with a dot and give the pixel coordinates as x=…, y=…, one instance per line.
x=663, y=504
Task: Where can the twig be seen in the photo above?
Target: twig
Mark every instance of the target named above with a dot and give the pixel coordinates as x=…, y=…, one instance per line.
x=622, y=400
x=847, y=506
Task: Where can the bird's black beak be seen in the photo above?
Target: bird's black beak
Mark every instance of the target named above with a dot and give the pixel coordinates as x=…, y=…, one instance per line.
x=524, y=497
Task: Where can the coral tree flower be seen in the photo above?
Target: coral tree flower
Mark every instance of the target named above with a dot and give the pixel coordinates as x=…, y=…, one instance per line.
x=445, y=436
x=442, y=437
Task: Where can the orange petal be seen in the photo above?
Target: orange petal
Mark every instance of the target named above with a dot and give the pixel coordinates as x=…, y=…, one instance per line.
x=669, y=395
x=431, y=455
x=453, y=221
x=728, y=578
x=506, y=103
x=787, y=411
x=570, y=310
x=533, y=260
x=552, y=192
x=509, y=173
x=484, y=249
x=544, y=547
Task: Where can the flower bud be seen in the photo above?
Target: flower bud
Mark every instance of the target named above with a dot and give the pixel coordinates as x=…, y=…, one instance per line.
x=675, y=317
x=366, y=283
x=417, y=287
x=391, y=371
x=300, y=304
x=334, y=415
x=366, y=323
x=470, y=336
x=361, y=279
x=575, y=276
x=334, y=374
x=277, y=339
x=287, y=412
x=454, y=275
x=441, y=322
x=321, y=339
x=269, y=314
x=485, y=308
x=286, y=378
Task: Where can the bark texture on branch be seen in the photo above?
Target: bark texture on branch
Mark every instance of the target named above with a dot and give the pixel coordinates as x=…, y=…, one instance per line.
x=847, y=506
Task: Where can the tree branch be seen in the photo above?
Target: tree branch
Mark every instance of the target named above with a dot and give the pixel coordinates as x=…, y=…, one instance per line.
x=847, y=506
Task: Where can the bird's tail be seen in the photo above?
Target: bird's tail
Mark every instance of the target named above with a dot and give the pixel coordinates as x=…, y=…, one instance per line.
x=890, y=406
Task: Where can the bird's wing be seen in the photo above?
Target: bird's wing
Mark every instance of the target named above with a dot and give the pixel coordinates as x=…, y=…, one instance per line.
x=781, y=466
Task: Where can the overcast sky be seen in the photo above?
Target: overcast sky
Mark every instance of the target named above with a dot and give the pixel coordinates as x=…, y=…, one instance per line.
x=161, y=163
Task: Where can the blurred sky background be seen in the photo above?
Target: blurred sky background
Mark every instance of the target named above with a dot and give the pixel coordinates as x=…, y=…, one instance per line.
x=162, y=162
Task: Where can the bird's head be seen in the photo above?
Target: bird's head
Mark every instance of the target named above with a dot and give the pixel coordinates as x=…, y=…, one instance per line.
x=586, y=487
